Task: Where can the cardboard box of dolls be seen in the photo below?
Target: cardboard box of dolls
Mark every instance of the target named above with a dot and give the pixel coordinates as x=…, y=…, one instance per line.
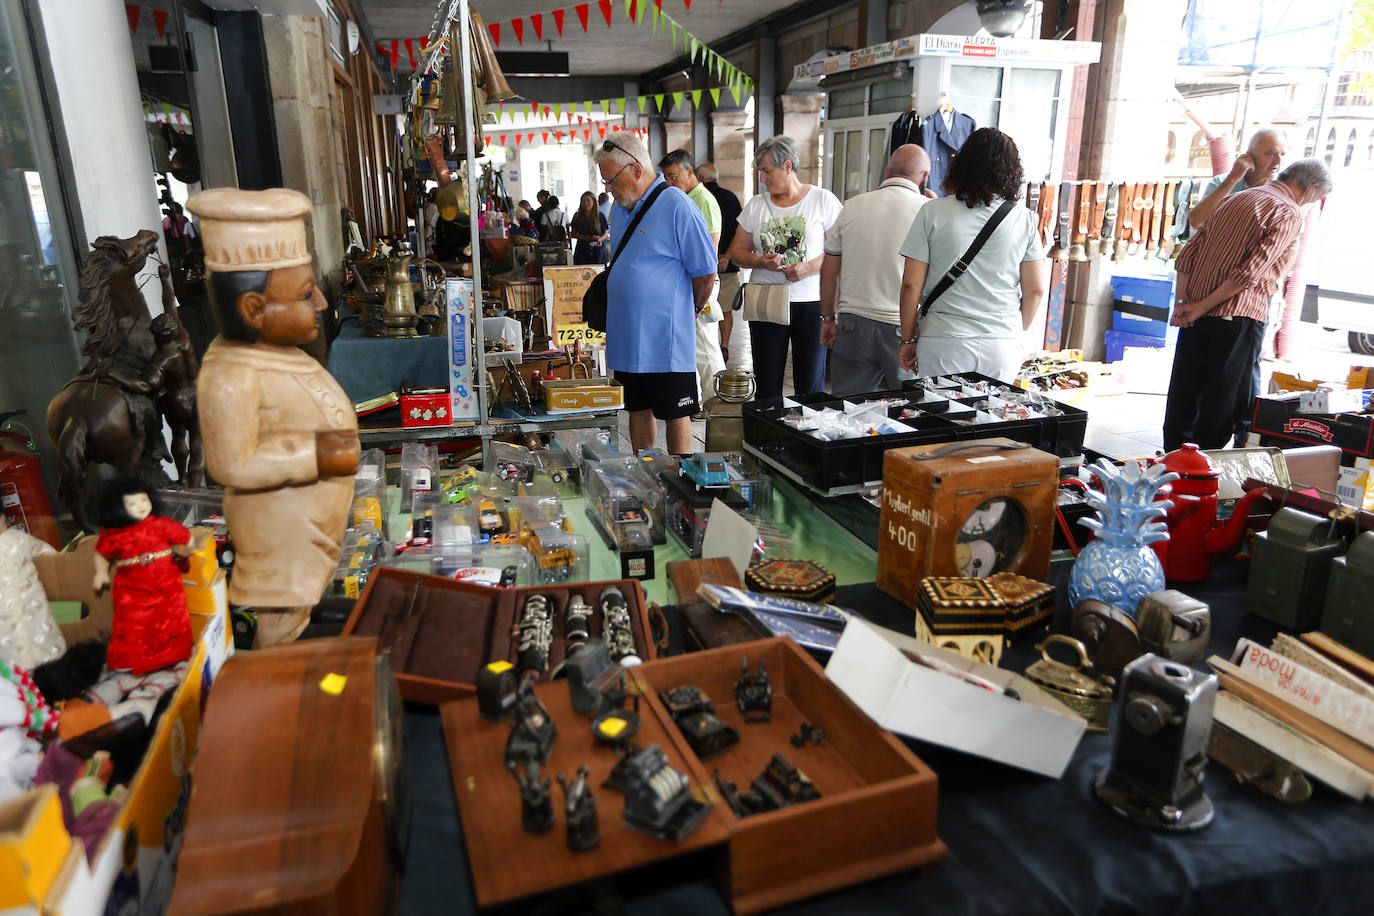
x=132, y=867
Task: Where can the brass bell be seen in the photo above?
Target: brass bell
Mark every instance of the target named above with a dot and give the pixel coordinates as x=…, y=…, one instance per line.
x=1058, y=252
x=1076, y=252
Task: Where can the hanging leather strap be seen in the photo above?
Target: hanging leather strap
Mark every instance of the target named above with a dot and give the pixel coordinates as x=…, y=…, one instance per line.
x=1085, y=210
x=962, y=263
x=1047, y=198
x=1099, y=210
x=1157, y=216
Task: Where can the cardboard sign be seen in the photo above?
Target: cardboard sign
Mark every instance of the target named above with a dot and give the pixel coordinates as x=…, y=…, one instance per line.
x=563, y=290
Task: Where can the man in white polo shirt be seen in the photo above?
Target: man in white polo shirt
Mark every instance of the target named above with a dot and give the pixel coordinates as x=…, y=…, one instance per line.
x=861, y=278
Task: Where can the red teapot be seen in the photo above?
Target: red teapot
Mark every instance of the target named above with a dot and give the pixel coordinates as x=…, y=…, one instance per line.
x=1194, y=532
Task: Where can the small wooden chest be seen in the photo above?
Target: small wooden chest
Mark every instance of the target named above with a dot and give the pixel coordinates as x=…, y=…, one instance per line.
x=964, y=509
x=804, y=580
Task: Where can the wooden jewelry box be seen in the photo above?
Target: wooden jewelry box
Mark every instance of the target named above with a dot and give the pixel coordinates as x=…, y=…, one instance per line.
x=440, y=632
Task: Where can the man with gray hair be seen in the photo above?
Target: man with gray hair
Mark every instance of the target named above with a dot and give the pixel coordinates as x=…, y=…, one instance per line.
x=861, y=277
x=661, y=277
x=678, y=171
x=1226, y=275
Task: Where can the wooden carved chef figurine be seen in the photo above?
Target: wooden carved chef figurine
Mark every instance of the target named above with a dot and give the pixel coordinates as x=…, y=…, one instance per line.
x=278, y=432
x=151, y=628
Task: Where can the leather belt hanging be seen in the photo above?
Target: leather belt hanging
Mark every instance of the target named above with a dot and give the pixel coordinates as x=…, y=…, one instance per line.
x=1126, y=208
x=1077, y=252
x=1060, y=250
x=1108, y=243
x=1099, y=213
x=1182, y=208
x=1047, y=193
x=1033, y=198
x=1156, y=217
x=1140, y=222
x=1166, y=226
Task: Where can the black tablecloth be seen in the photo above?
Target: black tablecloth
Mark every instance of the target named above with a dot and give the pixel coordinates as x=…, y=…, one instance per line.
x=1018, y=843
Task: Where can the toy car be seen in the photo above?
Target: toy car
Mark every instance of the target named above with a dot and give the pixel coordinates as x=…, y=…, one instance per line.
x=491, y=520
x=509, y=470
x=704, y=472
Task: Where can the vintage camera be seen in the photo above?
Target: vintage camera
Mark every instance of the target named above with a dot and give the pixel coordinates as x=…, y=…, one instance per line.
x=1164, y=723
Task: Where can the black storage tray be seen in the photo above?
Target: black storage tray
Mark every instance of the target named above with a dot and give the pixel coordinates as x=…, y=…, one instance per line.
x=827, y=465
x=1062, y=435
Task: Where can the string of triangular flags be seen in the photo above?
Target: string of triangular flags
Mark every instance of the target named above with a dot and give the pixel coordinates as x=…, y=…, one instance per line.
x=659, y=101
x=167, y=115
x=636, y=11
x=135, y=14
x=601, y=128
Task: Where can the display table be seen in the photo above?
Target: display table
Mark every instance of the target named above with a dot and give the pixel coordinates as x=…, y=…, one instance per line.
x=1018, y=843
x=366, y=367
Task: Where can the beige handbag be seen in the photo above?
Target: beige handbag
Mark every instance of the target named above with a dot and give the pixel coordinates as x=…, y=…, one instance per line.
x=767, y=302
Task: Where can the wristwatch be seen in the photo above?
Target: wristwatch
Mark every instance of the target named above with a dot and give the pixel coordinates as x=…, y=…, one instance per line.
x=828, y=318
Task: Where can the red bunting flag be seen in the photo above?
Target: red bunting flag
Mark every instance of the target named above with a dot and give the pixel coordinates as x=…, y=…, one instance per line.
x=659, y=5
x=558, y=135
x=548, y=112
x=395, y=53
x=537, y=20
x=582, y=9
x=546, y=136
x=687, y=3
x=518, y=27
x=495, y=29
x=587, y=133
x=424, y=42
x=529, y=138
x=503, y=139
x=133, y=11
x=410, y=51
x=534, y=107
x=605, y=9
x=601, y=131
x=160, y=20
x=634, y=11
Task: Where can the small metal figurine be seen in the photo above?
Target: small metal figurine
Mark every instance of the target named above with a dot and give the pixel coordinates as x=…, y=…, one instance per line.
x=584, y=830
x=536, y=635
x=532, y=730
x=536, y=801
x=658, y=798
x=615, y=615
x=754, y=693
x=577, y=621
x=781, y=784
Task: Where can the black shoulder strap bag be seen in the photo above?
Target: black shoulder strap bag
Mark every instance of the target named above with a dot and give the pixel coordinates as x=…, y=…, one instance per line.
x=962, y=264
x=595, y=298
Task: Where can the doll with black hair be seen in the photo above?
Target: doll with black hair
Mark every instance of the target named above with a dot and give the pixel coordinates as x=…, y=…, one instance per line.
x=133, y=555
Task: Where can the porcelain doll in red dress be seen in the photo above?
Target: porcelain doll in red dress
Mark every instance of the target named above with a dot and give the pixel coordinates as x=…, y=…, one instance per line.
x=133, y=555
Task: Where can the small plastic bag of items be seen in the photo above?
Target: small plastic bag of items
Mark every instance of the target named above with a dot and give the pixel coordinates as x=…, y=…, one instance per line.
x=419, y=472
x=511, y=466
x=369, y=493
x=855, y=420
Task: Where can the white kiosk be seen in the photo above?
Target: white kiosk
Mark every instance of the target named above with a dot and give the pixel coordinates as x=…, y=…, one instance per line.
x=1020, y=86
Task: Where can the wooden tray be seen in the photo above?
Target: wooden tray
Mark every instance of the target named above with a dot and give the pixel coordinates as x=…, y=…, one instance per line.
x=508, y=863
x=876, y=814
x=462, y=627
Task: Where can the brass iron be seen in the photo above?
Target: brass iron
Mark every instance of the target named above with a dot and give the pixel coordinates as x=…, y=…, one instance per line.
x=1075, y=687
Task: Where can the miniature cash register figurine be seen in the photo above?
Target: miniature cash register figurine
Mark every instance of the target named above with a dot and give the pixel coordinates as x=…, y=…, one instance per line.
x=279, y=433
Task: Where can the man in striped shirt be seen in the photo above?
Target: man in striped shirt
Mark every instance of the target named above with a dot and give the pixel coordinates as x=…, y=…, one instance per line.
x=1226, y=274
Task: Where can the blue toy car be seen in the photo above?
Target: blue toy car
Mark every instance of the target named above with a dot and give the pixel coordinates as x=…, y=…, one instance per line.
x=705, y=473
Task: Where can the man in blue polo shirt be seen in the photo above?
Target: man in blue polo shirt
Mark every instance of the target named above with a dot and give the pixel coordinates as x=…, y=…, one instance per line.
x=662, y=277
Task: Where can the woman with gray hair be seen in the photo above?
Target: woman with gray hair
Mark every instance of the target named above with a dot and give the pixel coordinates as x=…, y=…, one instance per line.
x=781, y=236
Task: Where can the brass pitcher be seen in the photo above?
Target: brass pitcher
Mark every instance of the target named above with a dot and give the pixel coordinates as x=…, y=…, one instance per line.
x=725, y=413
x=398, y=312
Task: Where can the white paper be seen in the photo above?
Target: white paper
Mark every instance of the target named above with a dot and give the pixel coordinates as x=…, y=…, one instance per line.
x=729, y=535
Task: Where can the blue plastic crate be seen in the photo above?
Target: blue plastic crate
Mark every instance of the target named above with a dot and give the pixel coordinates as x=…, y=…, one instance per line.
x=1118, y=341
x=1131, y=323
x=1154, y=290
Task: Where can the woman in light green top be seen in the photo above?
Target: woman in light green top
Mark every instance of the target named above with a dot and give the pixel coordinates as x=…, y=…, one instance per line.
x=978, y=323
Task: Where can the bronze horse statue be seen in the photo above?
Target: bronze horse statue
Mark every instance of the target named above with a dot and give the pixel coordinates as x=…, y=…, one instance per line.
x=108, y=413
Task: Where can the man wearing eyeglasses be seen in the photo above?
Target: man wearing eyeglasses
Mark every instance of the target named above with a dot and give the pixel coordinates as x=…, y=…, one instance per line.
x=661, y=278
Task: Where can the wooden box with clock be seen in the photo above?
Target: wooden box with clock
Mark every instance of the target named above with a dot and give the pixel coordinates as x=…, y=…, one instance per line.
x=970, y=508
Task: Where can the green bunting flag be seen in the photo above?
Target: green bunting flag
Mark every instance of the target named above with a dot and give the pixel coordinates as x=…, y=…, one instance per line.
x=620, y=105
x=677, y=99
x=692, y=45
x=734, y=91
x=606, y=106
x=658, y=100
x=640, y=99
x=696, y=98
x=715, y=96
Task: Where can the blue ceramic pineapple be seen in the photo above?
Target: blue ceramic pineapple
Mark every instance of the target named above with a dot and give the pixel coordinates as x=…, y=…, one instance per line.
x=1119, y=567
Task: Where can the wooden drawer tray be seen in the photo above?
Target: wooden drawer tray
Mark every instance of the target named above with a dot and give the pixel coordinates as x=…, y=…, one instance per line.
x=458, y=627
x=876, y=813
x=508, y=863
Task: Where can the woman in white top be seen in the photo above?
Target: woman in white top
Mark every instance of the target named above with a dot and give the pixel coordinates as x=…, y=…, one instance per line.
x=781, y=236
x=978, y=323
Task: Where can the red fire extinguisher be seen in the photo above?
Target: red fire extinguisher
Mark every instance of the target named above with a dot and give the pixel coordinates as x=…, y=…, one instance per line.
x=23, y=498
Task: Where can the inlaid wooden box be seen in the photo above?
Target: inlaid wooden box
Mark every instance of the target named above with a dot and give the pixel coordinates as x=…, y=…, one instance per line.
x=965, y=509
x=440, y=640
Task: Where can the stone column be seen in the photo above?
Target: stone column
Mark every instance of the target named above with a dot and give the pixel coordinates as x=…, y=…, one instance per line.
x=733, y=151
x=309, y=137
x=801, y=120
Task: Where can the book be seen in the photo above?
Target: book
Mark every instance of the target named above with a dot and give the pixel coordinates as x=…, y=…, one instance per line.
x=380, y=402
x=1294, y=648
x=1288, y=743
x=1338, y=705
